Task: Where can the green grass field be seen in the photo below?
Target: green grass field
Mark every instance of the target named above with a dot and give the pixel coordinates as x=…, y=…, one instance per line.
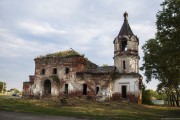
x=81, y=108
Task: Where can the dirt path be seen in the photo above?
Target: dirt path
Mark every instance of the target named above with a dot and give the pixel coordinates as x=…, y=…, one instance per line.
x=25, y=116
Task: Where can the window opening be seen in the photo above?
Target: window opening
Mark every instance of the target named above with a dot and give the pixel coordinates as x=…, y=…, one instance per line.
x=42, y=71
x=84, y=89
x=97, y=90
x=67, y=70
x=124, y=64
x=55, y=71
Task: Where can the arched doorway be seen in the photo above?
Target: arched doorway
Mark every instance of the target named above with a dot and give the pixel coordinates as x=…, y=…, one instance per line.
x=47, y=87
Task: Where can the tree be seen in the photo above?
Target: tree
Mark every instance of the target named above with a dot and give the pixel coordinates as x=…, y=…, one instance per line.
x=15, y=90
x=146, y=96
x=2, y=87
x=162, y=54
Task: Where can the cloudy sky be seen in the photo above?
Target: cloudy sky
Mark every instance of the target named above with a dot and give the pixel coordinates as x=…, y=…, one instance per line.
x=29, y=28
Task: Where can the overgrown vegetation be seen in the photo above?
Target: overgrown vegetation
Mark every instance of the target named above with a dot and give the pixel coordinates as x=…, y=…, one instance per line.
x=2, y=87
x=61, y=54
x=162, y=54
x=104, y=65
x=148, y=95
x=81, y=108
x=67, y=53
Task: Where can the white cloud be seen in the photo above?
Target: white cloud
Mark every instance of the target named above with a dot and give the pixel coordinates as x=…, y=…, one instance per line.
x=41, y=28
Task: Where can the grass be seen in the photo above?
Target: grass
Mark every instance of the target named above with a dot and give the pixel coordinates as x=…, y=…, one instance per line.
x=81, y=108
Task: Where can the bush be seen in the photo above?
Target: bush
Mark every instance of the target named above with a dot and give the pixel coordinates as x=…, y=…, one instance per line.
x=146, y=96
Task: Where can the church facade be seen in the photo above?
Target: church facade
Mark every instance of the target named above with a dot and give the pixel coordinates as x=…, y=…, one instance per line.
x=68, y=73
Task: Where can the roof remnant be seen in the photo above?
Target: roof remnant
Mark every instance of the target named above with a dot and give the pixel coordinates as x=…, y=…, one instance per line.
x=100, y=70
x=66, y=54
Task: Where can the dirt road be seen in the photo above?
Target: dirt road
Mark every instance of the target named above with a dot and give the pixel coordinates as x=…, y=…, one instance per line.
x=25, y=116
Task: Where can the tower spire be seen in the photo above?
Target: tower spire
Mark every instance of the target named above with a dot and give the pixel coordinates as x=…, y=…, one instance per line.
x=125, y=29
x=125, y=16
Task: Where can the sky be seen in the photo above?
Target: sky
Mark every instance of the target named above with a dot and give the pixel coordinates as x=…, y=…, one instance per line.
x=29, y=28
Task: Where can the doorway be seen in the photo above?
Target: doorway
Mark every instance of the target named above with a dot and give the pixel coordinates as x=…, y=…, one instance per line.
x=124, y=91
x=47, y=87
x=66, y=89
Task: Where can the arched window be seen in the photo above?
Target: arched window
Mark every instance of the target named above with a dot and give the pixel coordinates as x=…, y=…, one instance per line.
x=67, y=70
x=55, y=71
x=43, y=72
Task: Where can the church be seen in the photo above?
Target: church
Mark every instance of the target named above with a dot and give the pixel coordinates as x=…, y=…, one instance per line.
x=68, y=73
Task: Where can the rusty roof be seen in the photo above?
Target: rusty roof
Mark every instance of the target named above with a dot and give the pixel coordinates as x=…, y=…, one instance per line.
x=100, y=70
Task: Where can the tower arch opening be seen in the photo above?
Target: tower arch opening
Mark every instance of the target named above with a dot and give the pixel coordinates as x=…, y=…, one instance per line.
x=124, y=45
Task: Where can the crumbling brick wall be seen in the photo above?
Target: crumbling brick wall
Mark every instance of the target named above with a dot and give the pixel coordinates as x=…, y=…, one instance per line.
x=66, y=69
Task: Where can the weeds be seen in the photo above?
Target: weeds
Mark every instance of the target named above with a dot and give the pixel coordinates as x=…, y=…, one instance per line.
x=81, y=108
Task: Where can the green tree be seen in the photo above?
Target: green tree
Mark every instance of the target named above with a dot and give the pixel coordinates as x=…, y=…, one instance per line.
x=160, y=95
x=15, y=90
x=146, y=96
x=2, y=87
x=162, y=54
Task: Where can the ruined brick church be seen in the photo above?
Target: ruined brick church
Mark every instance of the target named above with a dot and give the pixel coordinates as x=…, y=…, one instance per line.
x=68, y=73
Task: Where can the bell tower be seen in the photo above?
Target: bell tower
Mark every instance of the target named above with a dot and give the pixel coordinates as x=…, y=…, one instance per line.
x=126, y=57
